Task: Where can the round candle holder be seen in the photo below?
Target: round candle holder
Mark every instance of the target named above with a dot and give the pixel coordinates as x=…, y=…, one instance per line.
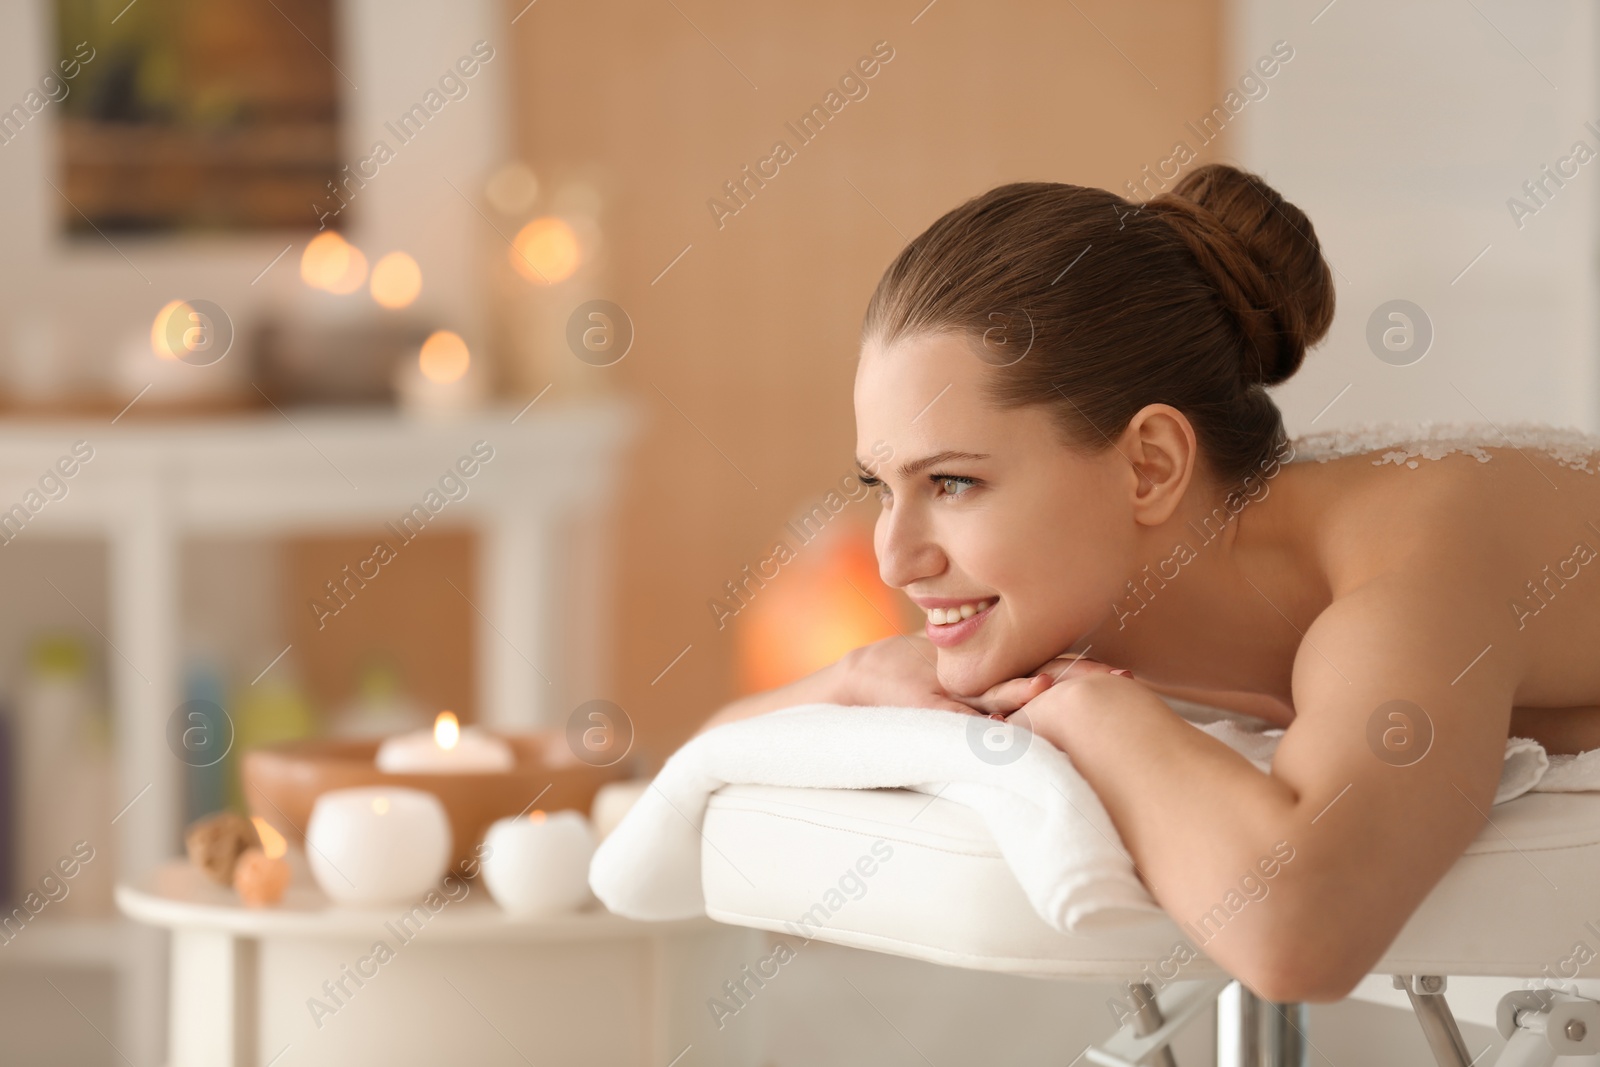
x=538, y=864
x=377, y=844
x=282, y=781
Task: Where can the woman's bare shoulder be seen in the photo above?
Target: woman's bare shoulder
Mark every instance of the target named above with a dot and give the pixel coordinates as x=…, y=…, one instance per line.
x=1460, y=519
x=1493, y=565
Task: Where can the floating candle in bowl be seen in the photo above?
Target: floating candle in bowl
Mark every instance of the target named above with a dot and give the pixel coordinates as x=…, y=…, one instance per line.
x=377, y=844
x=538, y=864
x=446, y=749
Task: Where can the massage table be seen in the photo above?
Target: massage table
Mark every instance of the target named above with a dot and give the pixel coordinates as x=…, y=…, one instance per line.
x=1522, y=905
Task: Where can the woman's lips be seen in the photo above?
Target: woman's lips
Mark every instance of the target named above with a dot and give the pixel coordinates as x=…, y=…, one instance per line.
x=954, y=633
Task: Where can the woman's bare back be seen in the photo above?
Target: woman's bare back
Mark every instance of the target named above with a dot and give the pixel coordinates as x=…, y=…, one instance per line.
x=1520, y=525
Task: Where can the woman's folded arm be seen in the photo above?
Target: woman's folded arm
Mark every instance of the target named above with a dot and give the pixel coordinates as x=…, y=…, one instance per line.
x=1297, y=881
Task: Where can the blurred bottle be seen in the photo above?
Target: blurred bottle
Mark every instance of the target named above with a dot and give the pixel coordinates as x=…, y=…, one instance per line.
x=273, y=709
x=65, y=775
x=208, y=787
x=381, y=707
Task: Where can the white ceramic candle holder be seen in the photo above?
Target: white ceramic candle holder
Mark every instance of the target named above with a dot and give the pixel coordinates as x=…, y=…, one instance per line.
x=538, y=864
x=613, y=801
x=377, y=844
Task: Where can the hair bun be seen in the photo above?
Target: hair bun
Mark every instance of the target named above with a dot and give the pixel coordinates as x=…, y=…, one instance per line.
x=1264, y=257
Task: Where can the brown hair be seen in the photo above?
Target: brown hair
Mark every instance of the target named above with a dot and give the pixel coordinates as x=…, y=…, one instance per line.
x=1199, y=298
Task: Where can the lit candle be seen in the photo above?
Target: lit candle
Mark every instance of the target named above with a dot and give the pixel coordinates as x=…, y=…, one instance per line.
x=371, y=845
x=442, y=379
x=262, y=874
x=538, y=864
x=446, y=749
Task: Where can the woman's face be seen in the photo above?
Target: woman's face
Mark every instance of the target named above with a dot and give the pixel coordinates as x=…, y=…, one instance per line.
x=987, y=516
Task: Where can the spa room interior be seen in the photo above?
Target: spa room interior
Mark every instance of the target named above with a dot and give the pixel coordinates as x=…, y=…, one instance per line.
x=417, y=419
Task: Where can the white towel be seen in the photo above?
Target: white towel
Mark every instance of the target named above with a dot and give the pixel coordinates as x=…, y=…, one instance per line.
x=1046, y=820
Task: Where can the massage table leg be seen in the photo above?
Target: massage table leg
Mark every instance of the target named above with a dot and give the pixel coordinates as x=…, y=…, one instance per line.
x=1541, y=1024
x=1239, y=1031
x=1426, y=992
x=1242, y=1040
x=1238, y=1027
x=1252, y=1032
x=1149, y=1020
x=1538, y=1025
x=1286, y=1044
x=1144, y=1038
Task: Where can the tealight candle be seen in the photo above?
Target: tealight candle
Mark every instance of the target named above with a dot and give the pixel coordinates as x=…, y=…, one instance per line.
x=377, y=844
x=538, y=864
x=446, y=749
x=262, y=874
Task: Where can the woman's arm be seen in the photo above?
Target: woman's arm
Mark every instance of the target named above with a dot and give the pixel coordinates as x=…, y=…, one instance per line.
x=1297, y=881
x=1256, y=705
x=894, y=672
x=819, y=687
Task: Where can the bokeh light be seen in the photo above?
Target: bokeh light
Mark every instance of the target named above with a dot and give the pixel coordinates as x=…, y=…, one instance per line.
x=444, y=358
x=355, y=273
x=161, y=328
x=512, y=189
x=546, y=251
x=396, y=280
x=325, y=260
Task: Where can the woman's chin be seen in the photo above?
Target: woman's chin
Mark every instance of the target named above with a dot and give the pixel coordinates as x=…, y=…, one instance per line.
x=966, y=676
x=969, y=673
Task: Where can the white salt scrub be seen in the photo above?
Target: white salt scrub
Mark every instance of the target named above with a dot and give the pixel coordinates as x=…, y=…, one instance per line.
x=1405, y=443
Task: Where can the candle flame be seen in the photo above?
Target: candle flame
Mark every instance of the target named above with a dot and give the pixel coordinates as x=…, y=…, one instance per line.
x=163, y=333
x=325, y=261
x=396, y=280
x=446, y=730
x=272, y=842
x=444, y=357
x=536, y=816
x=546, y=251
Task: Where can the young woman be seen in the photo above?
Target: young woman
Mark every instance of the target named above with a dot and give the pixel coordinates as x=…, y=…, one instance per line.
x=1083, y=462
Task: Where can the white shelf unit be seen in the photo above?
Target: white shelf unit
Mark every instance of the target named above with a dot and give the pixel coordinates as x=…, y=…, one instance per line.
x=540, y=590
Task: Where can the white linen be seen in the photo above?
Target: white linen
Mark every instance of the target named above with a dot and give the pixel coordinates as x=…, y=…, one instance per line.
x=1047, y=822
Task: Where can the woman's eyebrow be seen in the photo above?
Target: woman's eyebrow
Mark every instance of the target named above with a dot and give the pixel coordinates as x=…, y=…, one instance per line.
x=916, y=466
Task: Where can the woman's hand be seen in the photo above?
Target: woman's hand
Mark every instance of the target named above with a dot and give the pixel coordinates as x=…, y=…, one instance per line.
x=900, y=671
x=1060, y=667
x=894, y=672
x=1006, y=697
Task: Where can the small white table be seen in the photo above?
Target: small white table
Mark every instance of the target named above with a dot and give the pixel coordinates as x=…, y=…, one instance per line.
x=465, y=984
x=539, y=508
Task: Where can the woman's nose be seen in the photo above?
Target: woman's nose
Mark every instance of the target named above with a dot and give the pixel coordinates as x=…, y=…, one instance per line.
x=905, y=550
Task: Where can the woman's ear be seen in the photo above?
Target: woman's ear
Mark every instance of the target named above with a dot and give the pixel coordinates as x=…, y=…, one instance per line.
x=1159, y=442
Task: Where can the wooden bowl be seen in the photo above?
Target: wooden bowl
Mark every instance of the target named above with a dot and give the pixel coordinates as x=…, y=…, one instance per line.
x=283, y=781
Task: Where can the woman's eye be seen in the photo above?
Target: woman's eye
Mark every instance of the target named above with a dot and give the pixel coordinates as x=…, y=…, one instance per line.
x=952, y=486
x=876, y=484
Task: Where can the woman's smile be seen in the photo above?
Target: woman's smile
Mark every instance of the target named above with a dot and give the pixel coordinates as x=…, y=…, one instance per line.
x=952, y=621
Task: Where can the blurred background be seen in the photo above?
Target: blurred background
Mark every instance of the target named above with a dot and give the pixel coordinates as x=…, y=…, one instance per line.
x=275, y=273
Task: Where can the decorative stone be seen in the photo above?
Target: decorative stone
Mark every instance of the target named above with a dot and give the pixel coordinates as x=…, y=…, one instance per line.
x=216, y=842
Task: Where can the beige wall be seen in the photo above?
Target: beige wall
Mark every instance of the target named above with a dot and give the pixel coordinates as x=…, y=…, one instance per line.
x=752, y=334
